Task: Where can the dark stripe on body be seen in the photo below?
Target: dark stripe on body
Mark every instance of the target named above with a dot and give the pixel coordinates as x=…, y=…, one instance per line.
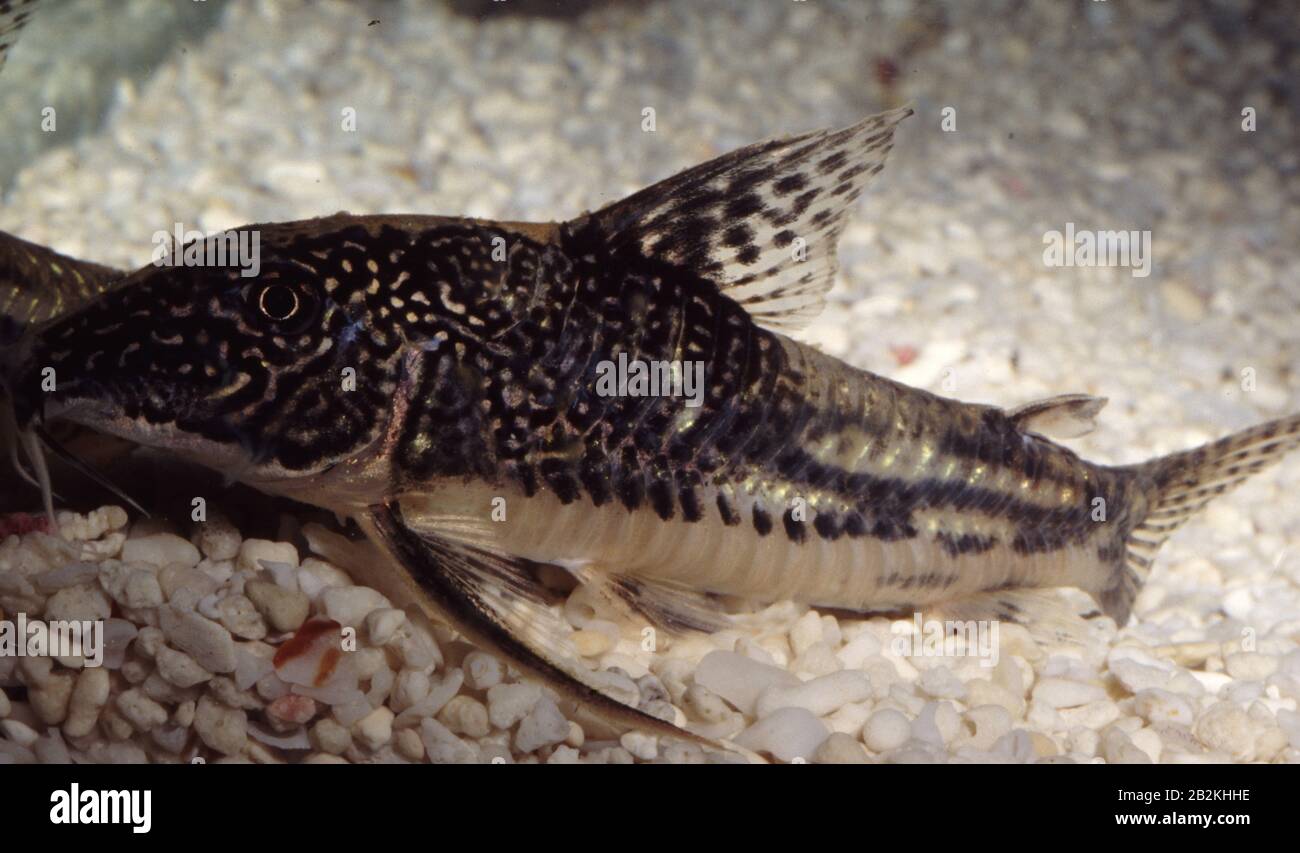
x=528, y=411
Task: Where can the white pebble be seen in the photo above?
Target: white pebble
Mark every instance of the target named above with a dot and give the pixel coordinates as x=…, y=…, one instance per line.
x=328, y=736
x=482, y=670
x=70, y=574
x=886, y=729
x=315, y=576
x=375, y=729
x=821, y=696
x=382, y=624
x=82, y=603
x=1250, y=666
x=940, y=683
x=89, y=695
x=840, y=748
x=1093, y=715
x=284, y=609
x=703, y=704
x=350, y=605
x=989, y=723
x=1227, y=728
x=442, y=746
x=50, y=699
x=179, y=668
x=142, y=590
x=253, y=551
x=1064, y=693
x=1162, y=706
x=509, y=703
x=465, y=715
x=221, y=728
x=1149, y=742
x=160, y=549
x=240, y=617
x=141, y=711
x=858, y=651
x=410, y=686
x=789, y=734
x=204, y=640
x=806, y=632
x=1137, y=670
x=408, y=744
x=544, y=725
x=641, y=745
x=739, y=679
x=19, y=732
x=1118, y=748
x=218, y=539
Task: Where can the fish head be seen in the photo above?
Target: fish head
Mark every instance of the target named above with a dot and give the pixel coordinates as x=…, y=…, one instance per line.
x=277, y=375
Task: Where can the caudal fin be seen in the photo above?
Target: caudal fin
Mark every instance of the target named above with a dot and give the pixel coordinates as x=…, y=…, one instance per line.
x=1180, y=485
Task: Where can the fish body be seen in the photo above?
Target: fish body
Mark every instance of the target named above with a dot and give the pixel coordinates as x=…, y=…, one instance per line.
x=448, y=384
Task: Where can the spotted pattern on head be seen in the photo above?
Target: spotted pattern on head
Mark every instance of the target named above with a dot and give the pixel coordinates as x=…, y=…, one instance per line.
x=261, y=361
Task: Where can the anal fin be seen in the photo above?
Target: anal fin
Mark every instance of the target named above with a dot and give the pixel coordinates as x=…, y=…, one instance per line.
x=1049, y=615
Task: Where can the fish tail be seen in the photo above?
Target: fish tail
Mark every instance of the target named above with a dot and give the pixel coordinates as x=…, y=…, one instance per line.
x=1178, y=486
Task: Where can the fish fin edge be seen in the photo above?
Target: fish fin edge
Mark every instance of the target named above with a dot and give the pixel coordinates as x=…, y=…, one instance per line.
x=485, y=597
x=734, y=220
x=663, y=604
x=1178, y=487
x=1052, y=616
x=1063, y=416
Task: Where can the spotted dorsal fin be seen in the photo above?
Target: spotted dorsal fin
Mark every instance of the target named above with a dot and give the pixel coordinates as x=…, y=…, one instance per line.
x=1066, y=416
x=761, y=222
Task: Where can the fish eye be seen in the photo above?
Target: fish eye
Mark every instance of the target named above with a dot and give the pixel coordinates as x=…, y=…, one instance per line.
x=278, y=302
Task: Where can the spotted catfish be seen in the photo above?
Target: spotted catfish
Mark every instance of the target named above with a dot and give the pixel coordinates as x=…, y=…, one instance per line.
x=471, y=394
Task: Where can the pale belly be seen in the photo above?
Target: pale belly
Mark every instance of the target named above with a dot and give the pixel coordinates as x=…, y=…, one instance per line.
x=862, y=573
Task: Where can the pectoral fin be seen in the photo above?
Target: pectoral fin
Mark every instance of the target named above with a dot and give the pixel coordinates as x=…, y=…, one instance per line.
x=494, y=600
x=665, y=605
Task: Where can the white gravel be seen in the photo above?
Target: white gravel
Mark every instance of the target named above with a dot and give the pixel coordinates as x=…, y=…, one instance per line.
x=1064, y=113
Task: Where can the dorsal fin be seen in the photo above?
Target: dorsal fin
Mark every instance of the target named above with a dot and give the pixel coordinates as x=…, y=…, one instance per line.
x=735, y=220
x=1065, y=416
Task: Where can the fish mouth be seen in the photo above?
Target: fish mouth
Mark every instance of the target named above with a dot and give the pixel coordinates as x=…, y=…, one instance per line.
x=31, y=416
x=24, y=429
x=340, y=485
